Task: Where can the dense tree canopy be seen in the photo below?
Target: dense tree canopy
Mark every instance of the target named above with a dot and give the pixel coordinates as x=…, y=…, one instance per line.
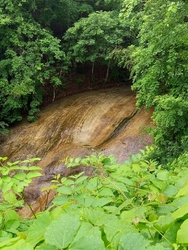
x=33, y=52
x=160, y=70
x=43, y=40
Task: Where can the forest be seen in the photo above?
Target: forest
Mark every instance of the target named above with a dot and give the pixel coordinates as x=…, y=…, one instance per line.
x=49, y=45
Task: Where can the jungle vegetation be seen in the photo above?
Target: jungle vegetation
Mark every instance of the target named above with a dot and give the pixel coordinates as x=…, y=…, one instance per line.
x=43, y=41
x=139, y=204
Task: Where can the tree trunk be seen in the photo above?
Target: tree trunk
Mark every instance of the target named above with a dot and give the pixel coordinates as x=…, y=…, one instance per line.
x=92, y=70
x=107, y=72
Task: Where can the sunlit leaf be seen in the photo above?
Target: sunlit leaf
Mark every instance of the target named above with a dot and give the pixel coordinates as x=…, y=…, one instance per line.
x=61, y=232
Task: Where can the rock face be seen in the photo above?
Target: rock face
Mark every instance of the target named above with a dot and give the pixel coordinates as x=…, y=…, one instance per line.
x=78, y=125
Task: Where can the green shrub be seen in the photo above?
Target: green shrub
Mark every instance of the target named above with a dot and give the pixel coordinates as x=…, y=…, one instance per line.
x=134, y=205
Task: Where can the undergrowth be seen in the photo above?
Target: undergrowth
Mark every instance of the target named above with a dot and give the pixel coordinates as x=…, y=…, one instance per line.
x=129, y=206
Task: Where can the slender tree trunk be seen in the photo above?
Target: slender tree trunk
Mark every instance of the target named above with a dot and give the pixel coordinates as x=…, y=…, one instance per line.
x=107, y=72
x=92, y=70
x=53, y=94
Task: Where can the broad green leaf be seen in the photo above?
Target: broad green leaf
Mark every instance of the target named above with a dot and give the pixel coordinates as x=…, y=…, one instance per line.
x=89, y=201
x=68, y=182
x=81, y=179
x=10, y=197
x=178, y=202
x=182, y=233
x=94, y=216
x=6, y=186
x=61, y=232
x=161, y=198
x=16, y=244
x=171, y=232
x=60, y=200
x=31, y=175
x=129, y=215
x=136, y=167
x=83, y=231
x=20, y=168
x=163, y=175
x=183, y=191
x=100, y=202
x=165, y=209
x=124, y=205
x=133, y=241
x=93, y=184
x=110, y=209
x=64, y=190
x=46, y=247
x=158, y=183
x=121, y=187
x=115, y=226
x=20, y=176
x=170, y=190
x=37, y=229
x=11, y=215
x=164, y=222
x=88, y=242
x=179, y=213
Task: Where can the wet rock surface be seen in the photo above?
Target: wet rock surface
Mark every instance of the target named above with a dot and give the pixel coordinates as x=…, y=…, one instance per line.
x=102, y=120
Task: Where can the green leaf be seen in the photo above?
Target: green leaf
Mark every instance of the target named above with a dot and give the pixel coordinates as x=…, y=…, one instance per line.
x=10, y=197
x=179, y=213
x=124, y=205
x=164, y=222
x=6, y=186
x=38, y=228
x=182, y=233
x=60, y=200
x=136, y=167
x=11, y=215
x=114, y=226
x=170, y=190
x=87, y=237
x=100, y=202
x=3, y=158
x=81, y=179
x=32, y=160
x=183, y=191
x=20, y=176
x=171, y=233
x=12, y=226
x=64, y=190
x=32, y=175
x=83, y=231
x=163, y=175
x=46, y=247
x=106, y=192
x=16, y=244
x=133, y=241
x=62, y=231
x=88, y=242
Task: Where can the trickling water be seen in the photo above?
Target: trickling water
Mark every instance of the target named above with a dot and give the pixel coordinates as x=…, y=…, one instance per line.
x=101, y=120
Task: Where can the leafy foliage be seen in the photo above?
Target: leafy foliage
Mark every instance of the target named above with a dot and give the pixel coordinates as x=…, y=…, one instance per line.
x=93, y=39
x=14, y=177
x=159, y=68
x=35, y=55
x=134, y=205
x=28, y=53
